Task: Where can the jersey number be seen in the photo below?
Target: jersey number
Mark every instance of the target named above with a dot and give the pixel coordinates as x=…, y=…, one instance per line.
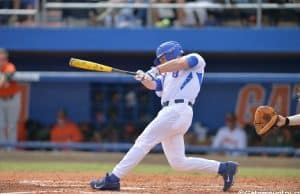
x=175, y=74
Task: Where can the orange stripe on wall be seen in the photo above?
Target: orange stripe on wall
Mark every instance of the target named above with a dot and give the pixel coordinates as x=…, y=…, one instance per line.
x=280, y=98
x=249, y=98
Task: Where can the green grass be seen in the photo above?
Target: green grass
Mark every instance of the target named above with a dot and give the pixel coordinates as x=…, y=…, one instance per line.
x=270, y=172
x=143, y=168
x=75, y=167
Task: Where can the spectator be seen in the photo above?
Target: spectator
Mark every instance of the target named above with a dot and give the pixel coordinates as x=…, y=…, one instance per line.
x=279, y=138
x=97, y=137
x=55, y=17
x=123, y=17
x=9, y=100
x=100, y=121
x=295, y=130
x=5, y=4
x=200, y=132
x=100, y=125
x=141, y=13
x=36, y=131
x=131, y=99
x=78, y=17
x=27, y=20
x=166, y=17
x=112, y=132
x=130, y=133
x=65, y=130
x=230, y=136
x=131, y=104
x=197, y=134
x=196, y=17
x=211, y=20
x=253, y=138
x=28, y=4
x=87, y=131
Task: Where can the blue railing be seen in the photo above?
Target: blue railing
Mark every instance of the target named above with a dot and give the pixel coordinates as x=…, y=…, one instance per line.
x=124, y=147
x=282, y=40
x=111, y=77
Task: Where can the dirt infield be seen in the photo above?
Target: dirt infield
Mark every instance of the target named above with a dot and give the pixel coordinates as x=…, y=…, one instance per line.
x=70, y=172
x=67, y=182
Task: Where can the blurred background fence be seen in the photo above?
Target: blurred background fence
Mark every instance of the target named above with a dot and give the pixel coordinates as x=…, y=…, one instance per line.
x=111, y=109
x=157, y=13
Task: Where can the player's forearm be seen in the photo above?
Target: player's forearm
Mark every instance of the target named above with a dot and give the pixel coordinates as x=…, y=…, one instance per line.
x=288, y=121
x=294, y=120
x=173, y=65
x=151, y=85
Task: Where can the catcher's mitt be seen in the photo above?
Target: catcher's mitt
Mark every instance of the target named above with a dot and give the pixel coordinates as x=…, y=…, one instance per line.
x=265, y=119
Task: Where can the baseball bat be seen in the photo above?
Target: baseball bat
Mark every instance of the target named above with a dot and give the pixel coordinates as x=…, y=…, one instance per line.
x=92, y=66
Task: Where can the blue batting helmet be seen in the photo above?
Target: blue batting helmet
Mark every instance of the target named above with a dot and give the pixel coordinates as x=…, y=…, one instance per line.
x=171, y=49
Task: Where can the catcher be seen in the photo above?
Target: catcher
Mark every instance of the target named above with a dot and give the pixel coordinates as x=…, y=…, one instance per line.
x=266, y=119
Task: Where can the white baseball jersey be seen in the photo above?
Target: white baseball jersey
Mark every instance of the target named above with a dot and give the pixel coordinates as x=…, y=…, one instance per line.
x=183, y=84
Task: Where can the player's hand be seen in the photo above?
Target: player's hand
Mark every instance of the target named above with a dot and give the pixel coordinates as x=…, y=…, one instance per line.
x=140, y=75
x=281, y=121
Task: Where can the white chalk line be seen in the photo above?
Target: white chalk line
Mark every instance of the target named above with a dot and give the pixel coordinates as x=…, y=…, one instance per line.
x=51, y=191
x=21, y=192
x=59, y=191
x=66, y=183
x=49, y=183
x=124, y=190
x=78, y=184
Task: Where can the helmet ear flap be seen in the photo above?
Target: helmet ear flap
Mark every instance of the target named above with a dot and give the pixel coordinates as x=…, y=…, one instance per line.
x=156, y=61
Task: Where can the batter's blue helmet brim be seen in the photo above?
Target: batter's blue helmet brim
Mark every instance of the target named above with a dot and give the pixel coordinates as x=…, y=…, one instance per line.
x=171, y=50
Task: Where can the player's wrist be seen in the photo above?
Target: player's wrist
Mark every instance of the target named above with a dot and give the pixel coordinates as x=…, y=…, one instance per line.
x=158, y=70
x=287, y=122
x=153, y=73
x=283, y=121
x=143, y=78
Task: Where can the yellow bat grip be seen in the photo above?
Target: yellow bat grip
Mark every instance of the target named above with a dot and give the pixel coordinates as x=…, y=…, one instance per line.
x=88, y=65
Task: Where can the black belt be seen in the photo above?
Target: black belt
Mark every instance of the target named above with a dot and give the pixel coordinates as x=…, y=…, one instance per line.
x=177, y=101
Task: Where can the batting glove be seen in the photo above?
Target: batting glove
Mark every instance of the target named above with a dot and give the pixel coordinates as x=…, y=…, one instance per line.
x=140, y=75
x=153, y=73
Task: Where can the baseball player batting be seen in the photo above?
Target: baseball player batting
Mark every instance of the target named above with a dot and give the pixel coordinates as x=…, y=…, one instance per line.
x=177, y=79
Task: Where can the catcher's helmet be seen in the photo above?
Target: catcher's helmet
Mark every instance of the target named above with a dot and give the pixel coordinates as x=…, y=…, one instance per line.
x=171, y=49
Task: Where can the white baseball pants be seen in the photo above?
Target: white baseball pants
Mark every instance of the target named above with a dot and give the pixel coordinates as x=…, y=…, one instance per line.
x=168, y=128
x=9, y=117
